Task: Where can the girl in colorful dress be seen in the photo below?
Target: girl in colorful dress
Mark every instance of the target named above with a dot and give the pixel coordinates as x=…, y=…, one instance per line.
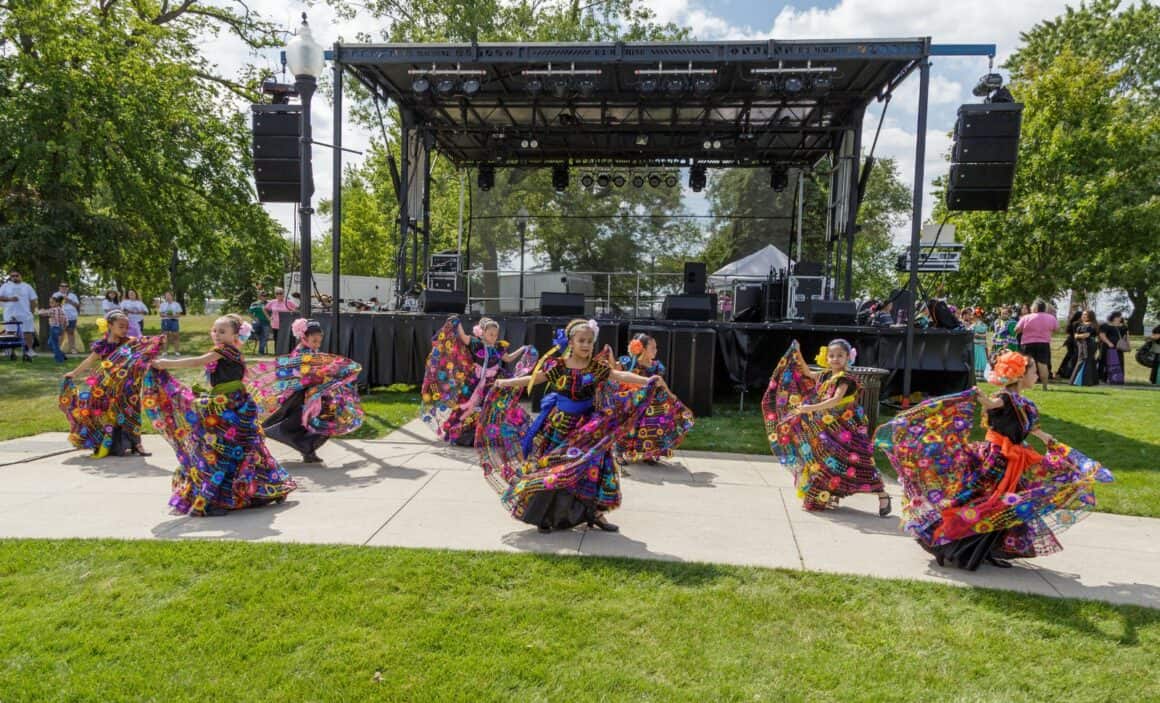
x=560, y=470
x=992, y=500
x=224, y=462
x=661, y=430
x=460, y=371
x=979, y=329
x=104, y=409
x=817, y=428
x=308, y=396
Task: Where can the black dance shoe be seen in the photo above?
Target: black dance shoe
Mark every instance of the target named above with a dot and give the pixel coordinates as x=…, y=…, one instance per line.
x=311, y=458
x=884, y=510
x=601, y=523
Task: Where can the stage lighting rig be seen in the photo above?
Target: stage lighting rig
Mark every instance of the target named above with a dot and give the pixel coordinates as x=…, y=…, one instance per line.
x=561, y=80
x=447, y=81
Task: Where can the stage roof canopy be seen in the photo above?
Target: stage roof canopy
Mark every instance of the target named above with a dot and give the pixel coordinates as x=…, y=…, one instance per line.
x=748, y=103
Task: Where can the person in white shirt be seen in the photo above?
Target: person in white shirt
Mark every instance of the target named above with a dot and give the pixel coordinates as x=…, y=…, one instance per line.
x=136, y=309
x=170, y=310
x=72, y=308
x=111, y=302
x=19, y=300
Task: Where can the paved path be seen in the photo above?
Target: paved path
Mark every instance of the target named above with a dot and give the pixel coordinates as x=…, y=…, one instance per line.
x=405, y=490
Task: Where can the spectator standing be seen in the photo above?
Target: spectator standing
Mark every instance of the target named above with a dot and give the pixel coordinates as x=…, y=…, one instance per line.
x=1035, y=330
x=1148, y=355
x=72, y=309
x=136, y=309
x=19, y=300
x=261, y=324
x=275, y=307
x=57, y=324
x=111, y=302
x=1113, y=344
x=170, y=311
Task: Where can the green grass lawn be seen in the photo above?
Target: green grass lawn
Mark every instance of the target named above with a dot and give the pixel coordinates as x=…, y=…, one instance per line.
x=169, y=621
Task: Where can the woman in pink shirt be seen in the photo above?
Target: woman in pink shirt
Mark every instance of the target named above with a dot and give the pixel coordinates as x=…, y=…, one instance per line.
x=278, y=305
x=1036, y=329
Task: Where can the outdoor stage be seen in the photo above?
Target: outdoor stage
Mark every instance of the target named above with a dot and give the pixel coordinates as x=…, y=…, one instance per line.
x=704, y=359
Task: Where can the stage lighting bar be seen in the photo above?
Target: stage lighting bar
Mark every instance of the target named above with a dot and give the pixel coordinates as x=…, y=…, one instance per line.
x=782, y=69
x=447, y=81
x=676, y=81
x=563, y=81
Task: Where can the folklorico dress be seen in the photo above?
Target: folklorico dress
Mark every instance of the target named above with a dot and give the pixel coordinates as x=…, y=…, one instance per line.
x=979, y=329
x=994, y=498
x=663, y=427
x=104, y=408
x=457, y=381
x=224, y=462
x=559, y=470
x=829, y=452
x=307, y=397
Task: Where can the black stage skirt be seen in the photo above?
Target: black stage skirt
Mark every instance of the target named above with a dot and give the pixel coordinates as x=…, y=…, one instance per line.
x=285, y=426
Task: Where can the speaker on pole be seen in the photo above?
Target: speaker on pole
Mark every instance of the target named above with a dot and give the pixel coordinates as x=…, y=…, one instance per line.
x=986, y=147
x=277, y=169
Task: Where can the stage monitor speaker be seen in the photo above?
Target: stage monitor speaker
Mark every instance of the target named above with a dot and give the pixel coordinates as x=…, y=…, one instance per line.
x=562, y=304
x=695, y=275
x=808, y=268
x=277, y=167
x=443, y=301
x=689, y=307
x=830, y=312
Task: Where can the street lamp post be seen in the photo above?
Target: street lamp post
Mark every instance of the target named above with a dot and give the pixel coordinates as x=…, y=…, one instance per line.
x=522, y=226
x=305, y=58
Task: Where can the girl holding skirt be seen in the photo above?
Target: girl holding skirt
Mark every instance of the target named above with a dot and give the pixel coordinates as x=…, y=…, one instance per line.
x=223, y=460
x=560, y=470
x=992, y=500
x=104, y=409
x=461, y=370
x=665, y=424
x=817, y=428
x=307, y=396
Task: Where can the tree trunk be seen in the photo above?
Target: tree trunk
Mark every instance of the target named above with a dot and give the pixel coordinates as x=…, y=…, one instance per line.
x=1139, y=298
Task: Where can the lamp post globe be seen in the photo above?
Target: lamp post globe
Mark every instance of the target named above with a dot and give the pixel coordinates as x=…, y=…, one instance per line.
x=305, y=59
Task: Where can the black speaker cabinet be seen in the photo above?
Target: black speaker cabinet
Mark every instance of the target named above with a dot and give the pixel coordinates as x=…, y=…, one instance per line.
x=967, y=199
x=443, y=301
x=989, y=120
x=830, y=312
x=749, y=303
x=992, y=175
x=696, y=274
x=562, y=304
x=277, y=167
x=689, y=307
x=691, y=373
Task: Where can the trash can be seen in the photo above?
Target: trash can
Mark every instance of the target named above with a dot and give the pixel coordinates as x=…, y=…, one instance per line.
x=870, y=379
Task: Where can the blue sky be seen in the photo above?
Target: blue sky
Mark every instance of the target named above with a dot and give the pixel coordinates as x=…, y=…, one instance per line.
x=976, y=21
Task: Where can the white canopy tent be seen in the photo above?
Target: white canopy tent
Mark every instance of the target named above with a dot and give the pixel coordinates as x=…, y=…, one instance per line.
x=754, y=267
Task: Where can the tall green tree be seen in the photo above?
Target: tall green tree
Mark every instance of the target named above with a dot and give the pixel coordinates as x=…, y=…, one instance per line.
x=1085, y=202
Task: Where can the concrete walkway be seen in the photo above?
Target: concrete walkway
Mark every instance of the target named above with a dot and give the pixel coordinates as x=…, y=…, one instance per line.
x=406, y=490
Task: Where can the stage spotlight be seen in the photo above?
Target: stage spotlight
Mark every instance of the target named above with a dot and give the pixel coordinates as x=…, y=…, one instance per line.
x=471, y=86
x=703, y=86
x=587, y=180
x=642, y=140
x=637, y=180
x=420, y=85
x=648, y=86
x=707, y=144
x=618, y=180
x=716, y=143
x=671, y=180
x=534, y=143
x=560, y=177
x=987, y=83
x=561, y=88
x=586, y=88
x=524, y=144
x=535, y=86
x=675, y=86
x=823, y=83
x=764, y=88
x=603, y=180
x=445, y=87
x=486, y=177
x=778, y=178
x=793, y=84
x=697, y=178
x=654, y=180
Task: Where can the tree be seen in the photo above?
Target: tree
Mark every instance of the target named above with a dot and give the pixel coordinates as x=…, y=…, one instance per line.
x=1085, y=203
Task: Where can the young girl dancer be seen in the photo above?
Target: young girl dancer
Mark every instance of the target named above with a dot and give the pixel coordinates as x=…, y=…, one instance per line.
x=460, y=371
x=104, y=409
x=817, y=428
x=224, y=463
x=559, y=471
x=663, y=427
x=309, y=396
x=995, y=499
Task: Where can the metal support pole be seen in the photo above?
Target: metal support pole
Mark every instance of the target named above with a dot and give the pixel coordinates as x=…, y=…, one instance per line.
x=305, y=85
x=522, y=226
x=608, y=300
x=336, y=213
x=459, y=232
x=404, y=219
x=916, y=222
x=426, y=209
x=800, y=203
x=852, y=205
